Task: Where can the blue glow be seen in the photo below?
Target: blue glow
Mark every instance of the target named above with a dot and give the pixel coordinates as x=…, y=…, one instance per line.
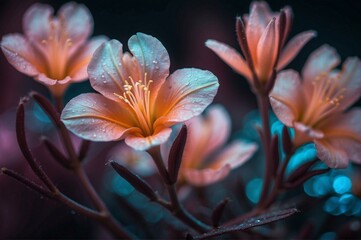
x=356, y=209
x=318, y=186
x=277, y=127
x=342, y=184
x=40, y=114
x=154, y=213
x=253, y=189
x=347, y=203
x=328, y=236
x=322, y=185
x=331, y=204
x=121, y=186
x=138, y=200
x=303, y=154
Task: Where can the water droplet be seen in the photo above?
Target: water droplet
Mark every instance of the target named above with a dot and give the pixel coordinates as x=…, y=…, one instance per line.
x=103, y=76
x=155, y=62
x=187, y=84
x=104, y=81
x=120, y=64
x=182, y=91
x=156, y=67
x=16, y=54
x=94, y=135
x=83, y=110
x=103, y=130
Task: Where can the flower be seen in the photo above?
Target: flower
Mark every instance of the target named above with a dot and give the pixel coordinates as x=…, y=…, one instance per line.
x=54, y=49
x=265, y=34
x=139, y=101
x=206, y=135
x=315, y=107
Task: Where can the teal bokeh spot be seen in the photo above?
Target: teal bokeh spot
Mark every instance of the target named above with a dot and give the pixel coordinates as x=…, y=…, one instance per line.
x=253, y=189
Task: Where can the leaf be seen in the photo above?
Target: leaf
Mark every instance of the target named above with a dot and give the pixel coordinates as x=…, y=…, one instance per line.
x=250, y=223
x=24, y=147
x=138, y=183
x=218, y=211
x=57, y=154
x=176, y=154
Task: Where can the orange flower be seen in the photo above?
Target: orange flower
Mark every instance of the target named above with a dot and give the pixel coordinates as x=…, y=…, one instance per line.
x=206, y=136
x=315, y=107
x=139, y=101
x=265, y=34
x=54, y=49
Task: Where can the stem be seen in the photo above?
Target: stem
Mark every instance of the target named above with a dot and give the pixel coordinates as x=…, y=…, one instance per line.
x=80, y=173
x=59, y=103
x=263, y=104
x=175, y=206
x=278, y=183
x=184, y=215
x=106, y=218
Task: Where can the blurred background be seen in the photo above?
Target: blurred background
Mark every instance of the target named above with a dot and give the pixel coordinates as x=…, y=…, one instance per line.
x=182, y=27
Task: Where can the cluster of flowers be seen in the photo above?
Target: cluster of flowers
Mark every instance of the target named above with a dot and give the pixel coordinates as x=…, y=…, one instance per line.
x=140, y=102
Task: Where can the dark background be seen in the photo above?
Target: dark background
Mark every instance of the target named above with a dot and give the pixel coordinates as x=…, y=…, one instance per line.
x=182, y=27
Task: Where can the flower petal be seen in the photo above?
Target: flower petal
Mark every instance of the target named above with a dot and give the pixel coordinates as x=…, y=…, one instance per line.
x=286, y=97
x=332, y=155
x=205, y=135
x=49, y=81
x=36, y=22
x=231, y=57
x=105, y=69
x=345, y=132
x=79, y=63
x=289, y=18
x=185, y=94
x=206, y=176
x=144, y=143
x=351, y=81
x=152, y=57
x=322, y=60
x=94, y=117
x=78, y=22
x=267, y=50
x=19, y=53
x=219, y=126
x=293, y=47
x=258, y=19
x=235, y=154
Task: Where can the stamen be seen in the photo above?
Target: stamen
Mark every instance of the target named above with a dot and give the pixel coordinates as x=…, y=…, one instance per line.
x=326, y=96
x=137, y=95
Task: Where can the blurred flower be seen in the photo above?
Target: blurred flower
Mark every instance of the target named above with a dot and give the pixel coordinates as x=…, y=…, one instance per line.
x=139, y=102
x=206, y=135
x=138, y=161
x=54, y=49
x=265, y=38
x=315, y=107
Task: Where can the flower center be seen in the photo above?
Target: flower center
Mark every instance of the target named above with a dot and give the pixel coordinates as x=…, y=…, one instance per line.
x=137, y=95
x=326, y=96
x=57, y=48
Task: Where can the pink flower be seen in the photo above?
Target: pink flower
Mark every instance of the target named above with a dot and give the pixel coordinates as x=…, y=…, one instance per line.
x=206, y=135
x=54, y=49
x=265, y=37
x=315, y=107
x=139, y=101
